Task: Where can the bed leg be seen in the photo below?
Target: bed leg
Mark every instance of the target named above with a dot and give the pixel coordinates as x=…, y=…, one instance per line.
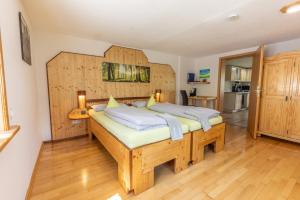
x=197, y=147
x=219, y=143
x=141, y=180
x=198, y=153
x=124, y=175
x=183, y=159
x=89, y=129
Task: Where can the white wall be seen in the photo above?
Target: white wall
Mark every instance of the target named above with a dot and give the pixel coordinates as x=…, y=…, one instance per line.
x=18, y=157
x=187, y=65
x=212, y=61
x=275, y=48
x=49, y=44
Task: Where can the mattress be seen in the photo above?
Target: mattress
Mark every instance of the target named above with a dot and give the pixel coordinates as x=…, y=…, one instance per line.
x=194, y=125
x=131, y=137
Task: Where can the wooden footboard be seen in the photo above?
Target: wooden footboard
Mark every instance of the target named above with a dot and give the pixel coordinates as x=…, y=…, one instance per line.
x=117, y=150
x=136, y=166
x=200, y=138
x=146, y=158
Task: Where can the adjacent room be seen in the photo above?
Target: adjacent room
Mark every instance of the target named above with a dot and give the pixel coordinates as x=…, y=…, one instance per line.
x=139, y=99
x=236, y=90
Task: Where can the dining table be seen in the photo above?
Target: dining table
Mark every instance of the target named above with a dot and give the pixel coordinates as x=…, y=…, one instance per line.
x=204, y=101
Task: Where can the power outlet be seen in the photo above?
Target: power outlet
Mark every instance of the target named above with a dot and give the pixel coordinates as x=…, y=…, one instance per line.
x=76, y=121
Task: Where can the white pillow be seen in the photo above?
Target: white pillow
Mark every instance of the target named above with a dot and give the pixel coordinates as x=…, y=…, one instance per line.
x=139, y=104
x=99, y=107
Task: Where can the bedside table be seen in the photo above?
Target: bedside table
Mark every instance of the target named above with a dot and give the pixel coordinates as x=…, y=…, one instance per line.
x=78, y=114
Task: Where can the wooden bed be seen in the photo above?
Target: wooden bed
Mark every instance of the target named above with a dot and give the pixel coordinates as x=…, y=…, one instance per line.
x=136, y=166
x=215, y=136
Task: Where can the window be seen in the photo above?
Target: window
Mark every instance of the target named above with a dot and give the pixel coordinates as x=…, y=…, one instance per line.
x=7, y=132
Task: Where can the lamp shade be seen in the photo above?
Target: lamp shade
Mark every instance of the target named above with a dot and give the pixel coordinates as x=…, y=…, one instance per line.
x=157, y=94
x=158, y=91
x=81, y=99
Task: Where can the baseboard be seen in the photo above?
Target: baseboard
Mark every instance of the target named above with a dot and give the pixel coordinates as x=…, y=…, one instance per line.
x=66, y=139
x=28, y=193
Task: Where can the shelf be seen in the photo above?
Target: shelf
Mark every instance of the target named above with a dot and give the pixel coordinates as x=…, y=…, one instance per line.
x=240, y=81
x=78, y=114
x=199, y=82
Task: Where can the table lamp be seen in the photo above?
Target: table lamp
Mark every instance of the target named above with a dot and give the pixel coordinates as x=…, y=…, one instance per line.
x=157, y=94
x=81, y=99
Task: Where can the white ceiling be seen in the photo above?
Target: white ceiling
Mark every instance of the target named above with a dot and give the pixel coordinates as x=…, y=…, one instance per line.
x=183, y=27
x=241, y=62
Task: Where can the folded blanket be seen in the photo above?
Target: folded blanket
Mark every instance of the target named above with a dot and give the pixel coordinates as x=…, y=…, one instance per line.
x=174, y=126
x=135, y=116
x=144, y=120
x=133, y=125
x=203, y=115
x=199, y=114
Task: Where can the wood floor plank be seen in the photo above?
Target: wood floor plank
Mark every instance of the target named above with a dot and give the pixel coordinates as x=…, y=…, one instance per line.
x=247, y=169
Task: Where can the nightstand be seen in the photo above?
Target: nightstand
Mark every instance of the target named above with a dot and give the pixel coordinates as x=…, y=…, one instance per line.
x=78, y=114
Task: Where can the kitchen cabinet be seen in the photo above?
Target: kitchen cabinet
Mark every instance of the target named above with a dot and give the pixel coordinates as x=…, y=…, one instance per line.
x=232, y=101
x=248, y=76
x=235, y=101
x=238, y=74
x=243, y=74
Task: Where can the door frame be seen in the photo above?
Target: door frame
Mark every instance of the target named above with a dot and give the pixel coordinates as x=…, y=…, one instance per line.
x=221, y=74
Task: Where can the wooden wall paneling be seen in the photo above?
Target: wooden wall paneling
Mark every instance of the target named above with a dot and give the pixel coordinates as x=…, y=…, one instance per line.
x=91, y=78
x=165, y=79
x=73, y=69
x=70, y=72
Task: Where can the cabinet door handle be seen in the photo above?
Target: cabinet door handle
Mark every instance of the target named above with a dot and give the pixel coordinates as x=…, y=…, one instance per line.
x=286, y=98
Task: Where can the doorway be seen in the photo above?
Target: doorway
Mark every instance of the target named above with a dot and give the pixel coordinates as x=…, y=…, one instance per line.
x=235, y=73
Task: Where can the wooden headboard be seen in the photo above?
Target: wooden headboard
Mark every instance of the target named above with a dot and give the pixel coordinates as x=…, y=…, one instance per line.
x=69, y=72
x=125, y=100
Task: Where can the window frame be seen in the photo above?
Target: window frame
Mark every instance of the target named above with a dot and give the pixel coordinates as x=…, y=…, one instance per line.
x=7, y=132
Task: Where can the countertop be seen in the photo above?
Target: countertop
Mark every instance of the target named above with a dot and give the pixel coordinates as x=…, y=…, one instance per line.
x=238, y=92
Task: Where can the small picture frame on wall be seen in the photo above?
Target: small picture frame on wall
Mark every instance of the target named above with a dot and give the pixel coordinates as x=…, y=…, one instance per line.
x=25, y=40
x=204, y=74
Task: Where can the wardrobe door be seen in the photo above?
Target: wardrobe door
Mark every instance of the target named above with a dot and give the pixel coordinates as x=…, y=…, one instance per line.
x=274, y=99
x=294, y=112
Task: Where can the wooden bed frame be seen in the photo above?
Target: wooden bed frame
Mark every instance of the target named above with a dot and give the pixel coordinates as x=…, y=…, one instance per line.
x=215, y=136
x=136, y=166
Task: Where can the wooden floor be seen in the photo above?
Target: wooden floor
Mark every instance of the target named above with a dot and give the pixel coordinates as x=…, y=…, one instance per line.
x=236, y=118
x=246, y=169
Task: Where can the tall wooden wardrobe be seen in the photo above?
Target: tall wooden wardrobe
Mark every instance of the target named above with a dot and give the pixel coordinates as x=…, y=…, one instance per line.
x=280, y=98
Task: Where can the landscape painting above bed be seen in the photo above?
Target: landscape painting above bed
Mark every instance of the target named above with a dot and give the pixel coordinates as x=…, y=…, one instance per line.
x=115, y=72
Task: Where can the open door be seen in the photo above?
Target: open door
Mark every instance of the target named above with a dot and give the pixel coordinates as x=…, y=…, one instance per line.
x=255, y=91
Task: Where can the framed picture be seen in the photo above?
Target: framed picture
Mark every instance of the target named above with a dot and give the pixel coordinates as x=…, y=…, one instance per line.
x=115, y=72
x=204, y=73
x=25, y=40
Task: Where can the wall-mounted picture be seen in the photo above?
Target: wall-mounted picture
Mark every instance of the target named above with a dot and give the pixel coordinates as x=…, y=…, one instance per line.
x=204, y=73
x=115, y=72
x=25, y=40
